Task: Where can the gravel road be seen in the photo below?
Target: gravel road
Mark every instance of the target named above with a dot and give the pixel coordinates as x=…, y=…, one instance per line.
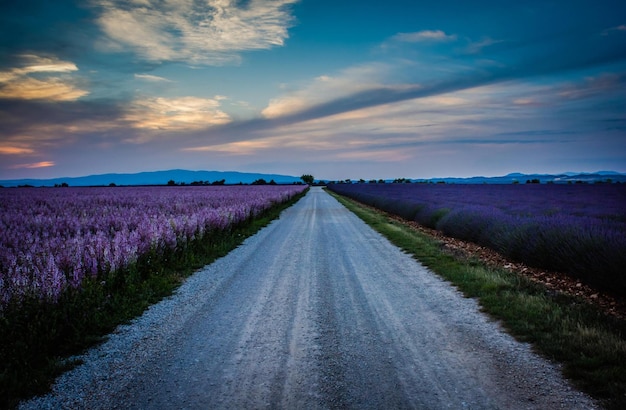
x=315, y=311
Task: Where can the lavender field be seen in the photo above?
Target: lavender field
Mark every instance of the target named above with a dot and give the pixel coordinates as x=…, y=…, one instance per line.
x=579, y=230
x=51, y=239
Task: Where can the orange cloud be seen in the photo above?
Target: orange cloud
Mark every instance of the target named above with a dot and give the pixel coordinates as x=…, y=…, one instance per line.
x=184, y=113
x=9, y=150
x=42, y=164
x=53, y=89
x=234, y=148
x=17, y=82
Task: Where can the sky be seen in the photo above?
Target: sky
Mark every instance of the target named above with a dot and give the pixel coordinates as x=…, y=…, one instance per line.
x=336, y=89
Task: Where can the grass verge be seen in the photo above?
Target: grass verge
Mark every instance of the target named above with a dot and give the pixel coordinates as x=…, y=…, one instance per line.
x=35, y=337
x=589, y=344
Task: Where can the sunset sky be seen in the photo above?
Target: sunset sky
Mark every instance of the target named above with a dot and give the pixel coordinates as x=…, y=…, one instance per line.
x=338, y=89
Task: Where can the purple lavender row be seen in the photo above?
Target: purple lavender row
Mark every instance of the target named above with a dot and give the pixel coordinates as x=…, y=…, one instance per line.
x=51, y=239
x=579, y=230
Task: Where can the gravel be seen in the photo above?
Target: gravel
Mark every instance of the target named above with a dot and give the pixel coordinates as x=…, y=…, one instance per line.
x=315, y=311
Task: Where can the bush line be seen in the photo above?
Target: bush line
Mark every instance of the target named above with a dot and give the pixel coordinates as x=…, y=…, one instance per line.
x=589, y=344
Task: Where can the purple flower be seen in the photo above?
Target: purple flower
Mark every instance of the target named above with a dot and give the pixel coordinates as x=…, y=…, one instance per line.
x=51, y=239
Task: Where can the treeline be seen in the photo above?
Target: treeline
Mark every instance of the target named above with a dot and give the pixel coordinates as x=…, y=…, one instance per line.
x=421, y=181
x=171, y=182
x=259, y=181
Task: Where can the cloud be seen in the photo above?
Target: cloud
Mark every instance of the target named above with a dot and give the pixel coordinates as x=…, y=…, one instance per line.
x=477, y=47
x=211, y=32
x=568, y=58
x=612, y=30
x=39, y=128
x=12, y=150
x=425, y=35
x=467, y=116
x=383, y=135
x=42, y=164
x=603, y=84
x=175, y=114
x=34, y=127
x=18, y=82
x=349, y=135
x=323, y=88
x=235, y=148
x=36, y=117
x=52, y=89
x=154, y=78
x=402, y=106
x=31, y=63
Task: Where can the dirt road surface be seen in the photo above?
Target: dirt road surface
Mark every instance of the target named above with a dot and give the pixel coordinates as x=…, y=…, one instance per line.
x=315, y=311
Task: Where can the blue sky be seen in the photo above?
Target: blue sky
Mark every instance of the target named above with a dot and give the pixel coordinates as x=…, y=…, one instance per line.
x=337, y=89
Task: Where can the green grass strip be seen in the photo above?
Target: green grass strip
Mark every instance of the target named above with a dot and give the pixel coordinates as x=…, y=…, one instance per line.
x=589, y=344
x=35, y=337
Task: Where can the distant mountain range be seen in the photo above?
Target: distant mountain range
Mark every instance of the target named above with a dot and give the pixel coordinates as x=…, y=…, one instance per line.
x=564, y=178
x=155, y=178
x=180, y=176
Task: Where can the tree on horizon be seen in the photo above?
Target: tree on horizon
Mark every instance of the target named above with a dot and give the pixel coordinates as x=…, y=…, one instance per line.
x=307, y=179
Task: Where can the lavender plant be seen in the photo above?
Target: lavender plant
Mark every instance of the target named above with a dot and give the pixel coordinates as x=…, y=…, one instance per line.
x=579, y=230
x=52, y=239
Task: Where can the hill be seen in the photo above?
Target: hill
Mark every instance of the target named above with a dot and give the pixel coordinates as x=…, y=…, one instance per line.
x=564, y=178
x=155, y=178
